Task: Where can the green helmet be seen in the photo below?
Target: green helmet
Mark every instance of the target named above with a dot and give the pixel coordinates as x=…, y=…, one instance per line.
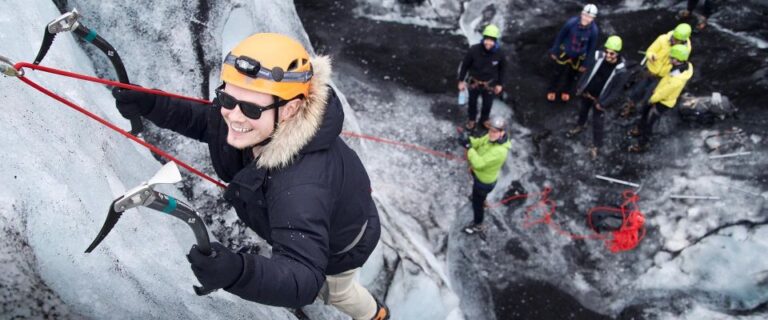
x=613, y=43
x=491, y=31
x=680, y=52
x=682, y=32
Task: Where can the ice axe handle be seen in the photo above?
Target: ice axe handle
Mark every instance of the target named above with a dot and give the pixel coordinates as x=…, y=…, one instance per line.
x=170, y=205
x=200, y=290
x=122, y=75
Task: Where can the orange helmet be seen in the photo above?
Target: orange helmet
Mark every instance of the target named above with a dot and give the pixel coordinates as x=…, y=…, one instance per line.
x=269, y=63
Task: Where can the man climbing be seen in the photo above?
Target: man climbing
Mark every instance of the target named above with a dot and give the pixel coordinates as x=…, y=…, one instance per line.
x=664, y=96
x=657, y=65
x=273, y=133
x=600, y=87
x=486, y=156
x=485, y=64
x=576, y=40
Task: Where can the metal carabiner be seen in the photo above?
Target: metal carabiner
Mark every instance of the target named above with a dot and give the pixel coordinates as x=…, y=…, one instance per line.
x=6, y=68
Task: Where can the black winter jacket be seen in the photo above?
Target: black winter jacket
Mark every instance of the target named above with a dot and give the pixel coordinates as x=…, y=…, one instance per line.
x=483, y=65
x=613, y=89
x=309, y=207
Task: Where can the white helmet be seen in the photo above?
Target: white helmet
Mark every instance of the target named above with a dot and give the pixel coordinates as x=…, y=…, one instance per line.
x=590, y=9
x=498, y=123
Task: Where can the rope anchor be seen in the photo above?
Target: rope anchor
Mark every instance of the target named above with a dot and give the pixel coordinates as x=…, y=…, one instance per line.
x=6, y=67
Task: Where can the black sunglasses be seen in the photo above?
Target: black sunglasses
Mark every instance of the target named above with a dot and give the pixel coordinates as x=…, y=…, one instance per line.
x=249, y=109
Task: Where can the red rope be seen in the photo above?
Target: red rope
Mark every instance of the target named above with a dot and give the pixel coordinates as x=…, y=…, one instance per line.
x=627, y=237
x=402, y=144
x=106, y=123
x=69, y=74
x=20, y=65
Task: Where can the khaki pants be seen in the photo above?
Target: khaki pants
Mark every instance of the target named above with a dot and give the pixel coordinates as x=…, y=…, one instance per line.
x=346, y=294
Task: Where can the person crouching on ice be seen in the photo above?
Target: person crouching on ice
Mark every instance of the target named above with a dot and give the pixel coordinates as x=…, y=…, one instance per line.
x=273, y=134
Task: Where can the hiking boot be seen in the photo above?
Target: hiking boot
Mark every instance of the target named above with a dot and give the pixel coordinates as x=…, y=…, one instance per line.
x=565, y=96
x=573, y=132
x=487, y=124
x=628, y=109
x=382, y=312
x=635, y=131
x=638, y=148
x=551, y=96
x=470, y=125
x=474, y=228
x=593, y=152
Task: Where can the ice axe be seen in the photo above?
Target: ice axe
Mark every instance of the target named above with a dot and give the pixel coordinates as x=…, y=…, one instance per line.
x=69, y=22
x=145, y=195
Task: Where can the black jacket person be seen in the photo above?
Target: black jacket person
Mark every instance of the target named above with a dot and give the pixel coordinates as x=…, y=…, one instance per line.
x=484, y=63
x=293, y=180
x=601, y=87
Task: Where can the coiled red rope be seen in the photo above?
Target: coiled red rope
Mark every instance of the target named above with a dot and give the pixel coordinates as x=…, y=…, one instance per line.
x=626, y=237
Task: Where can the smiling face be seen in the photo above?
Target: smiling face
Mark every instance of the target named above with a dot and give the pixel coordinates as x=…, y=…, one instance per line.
x=243, y=131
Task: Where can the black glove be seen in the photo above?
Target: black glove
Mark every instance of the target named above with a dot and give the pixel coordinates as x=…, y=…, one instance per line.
x=463, y=140
x=219, y=270
x=132, y=103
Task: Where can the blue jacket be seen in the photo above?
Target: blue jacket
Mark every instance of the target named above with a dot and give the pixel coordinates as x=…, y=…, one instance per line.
x=574, y=41
x=310, y=207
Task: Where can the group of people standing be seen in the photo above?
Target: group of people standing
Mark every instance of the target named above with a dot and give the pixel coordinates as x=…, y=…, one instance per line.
x=603, y=76
x=600, y=76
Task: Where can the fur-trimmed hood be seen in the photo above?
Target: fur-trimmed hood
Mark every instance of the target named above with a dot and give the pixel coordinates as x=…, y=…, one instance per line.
x=315, y=126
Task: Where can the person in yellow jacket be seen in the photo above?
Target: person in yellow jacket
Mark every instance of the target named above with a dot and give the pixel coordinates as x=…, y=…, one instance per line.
x=657, y=64
x=486, y=156
x=664, y=95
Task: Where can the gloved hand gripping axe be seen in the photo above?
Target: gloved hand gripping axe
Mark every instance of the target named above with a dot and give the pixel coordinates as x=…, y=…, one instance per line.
x=145, y=195
x=69, y=22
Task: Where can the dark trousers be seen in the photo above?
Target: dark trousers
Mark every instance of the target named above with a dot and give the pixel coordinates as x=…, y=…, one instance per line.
x=480, y=192
x=650, y=113
x=707, y=11
x=641, y=91
x=597, y=120
x=563, y=78
x=487, y=103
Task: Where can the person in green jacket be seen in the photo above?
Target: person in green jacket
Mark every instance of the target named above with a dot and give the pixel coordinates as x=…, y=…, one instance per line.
x=664, y=95
x=486, y=155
